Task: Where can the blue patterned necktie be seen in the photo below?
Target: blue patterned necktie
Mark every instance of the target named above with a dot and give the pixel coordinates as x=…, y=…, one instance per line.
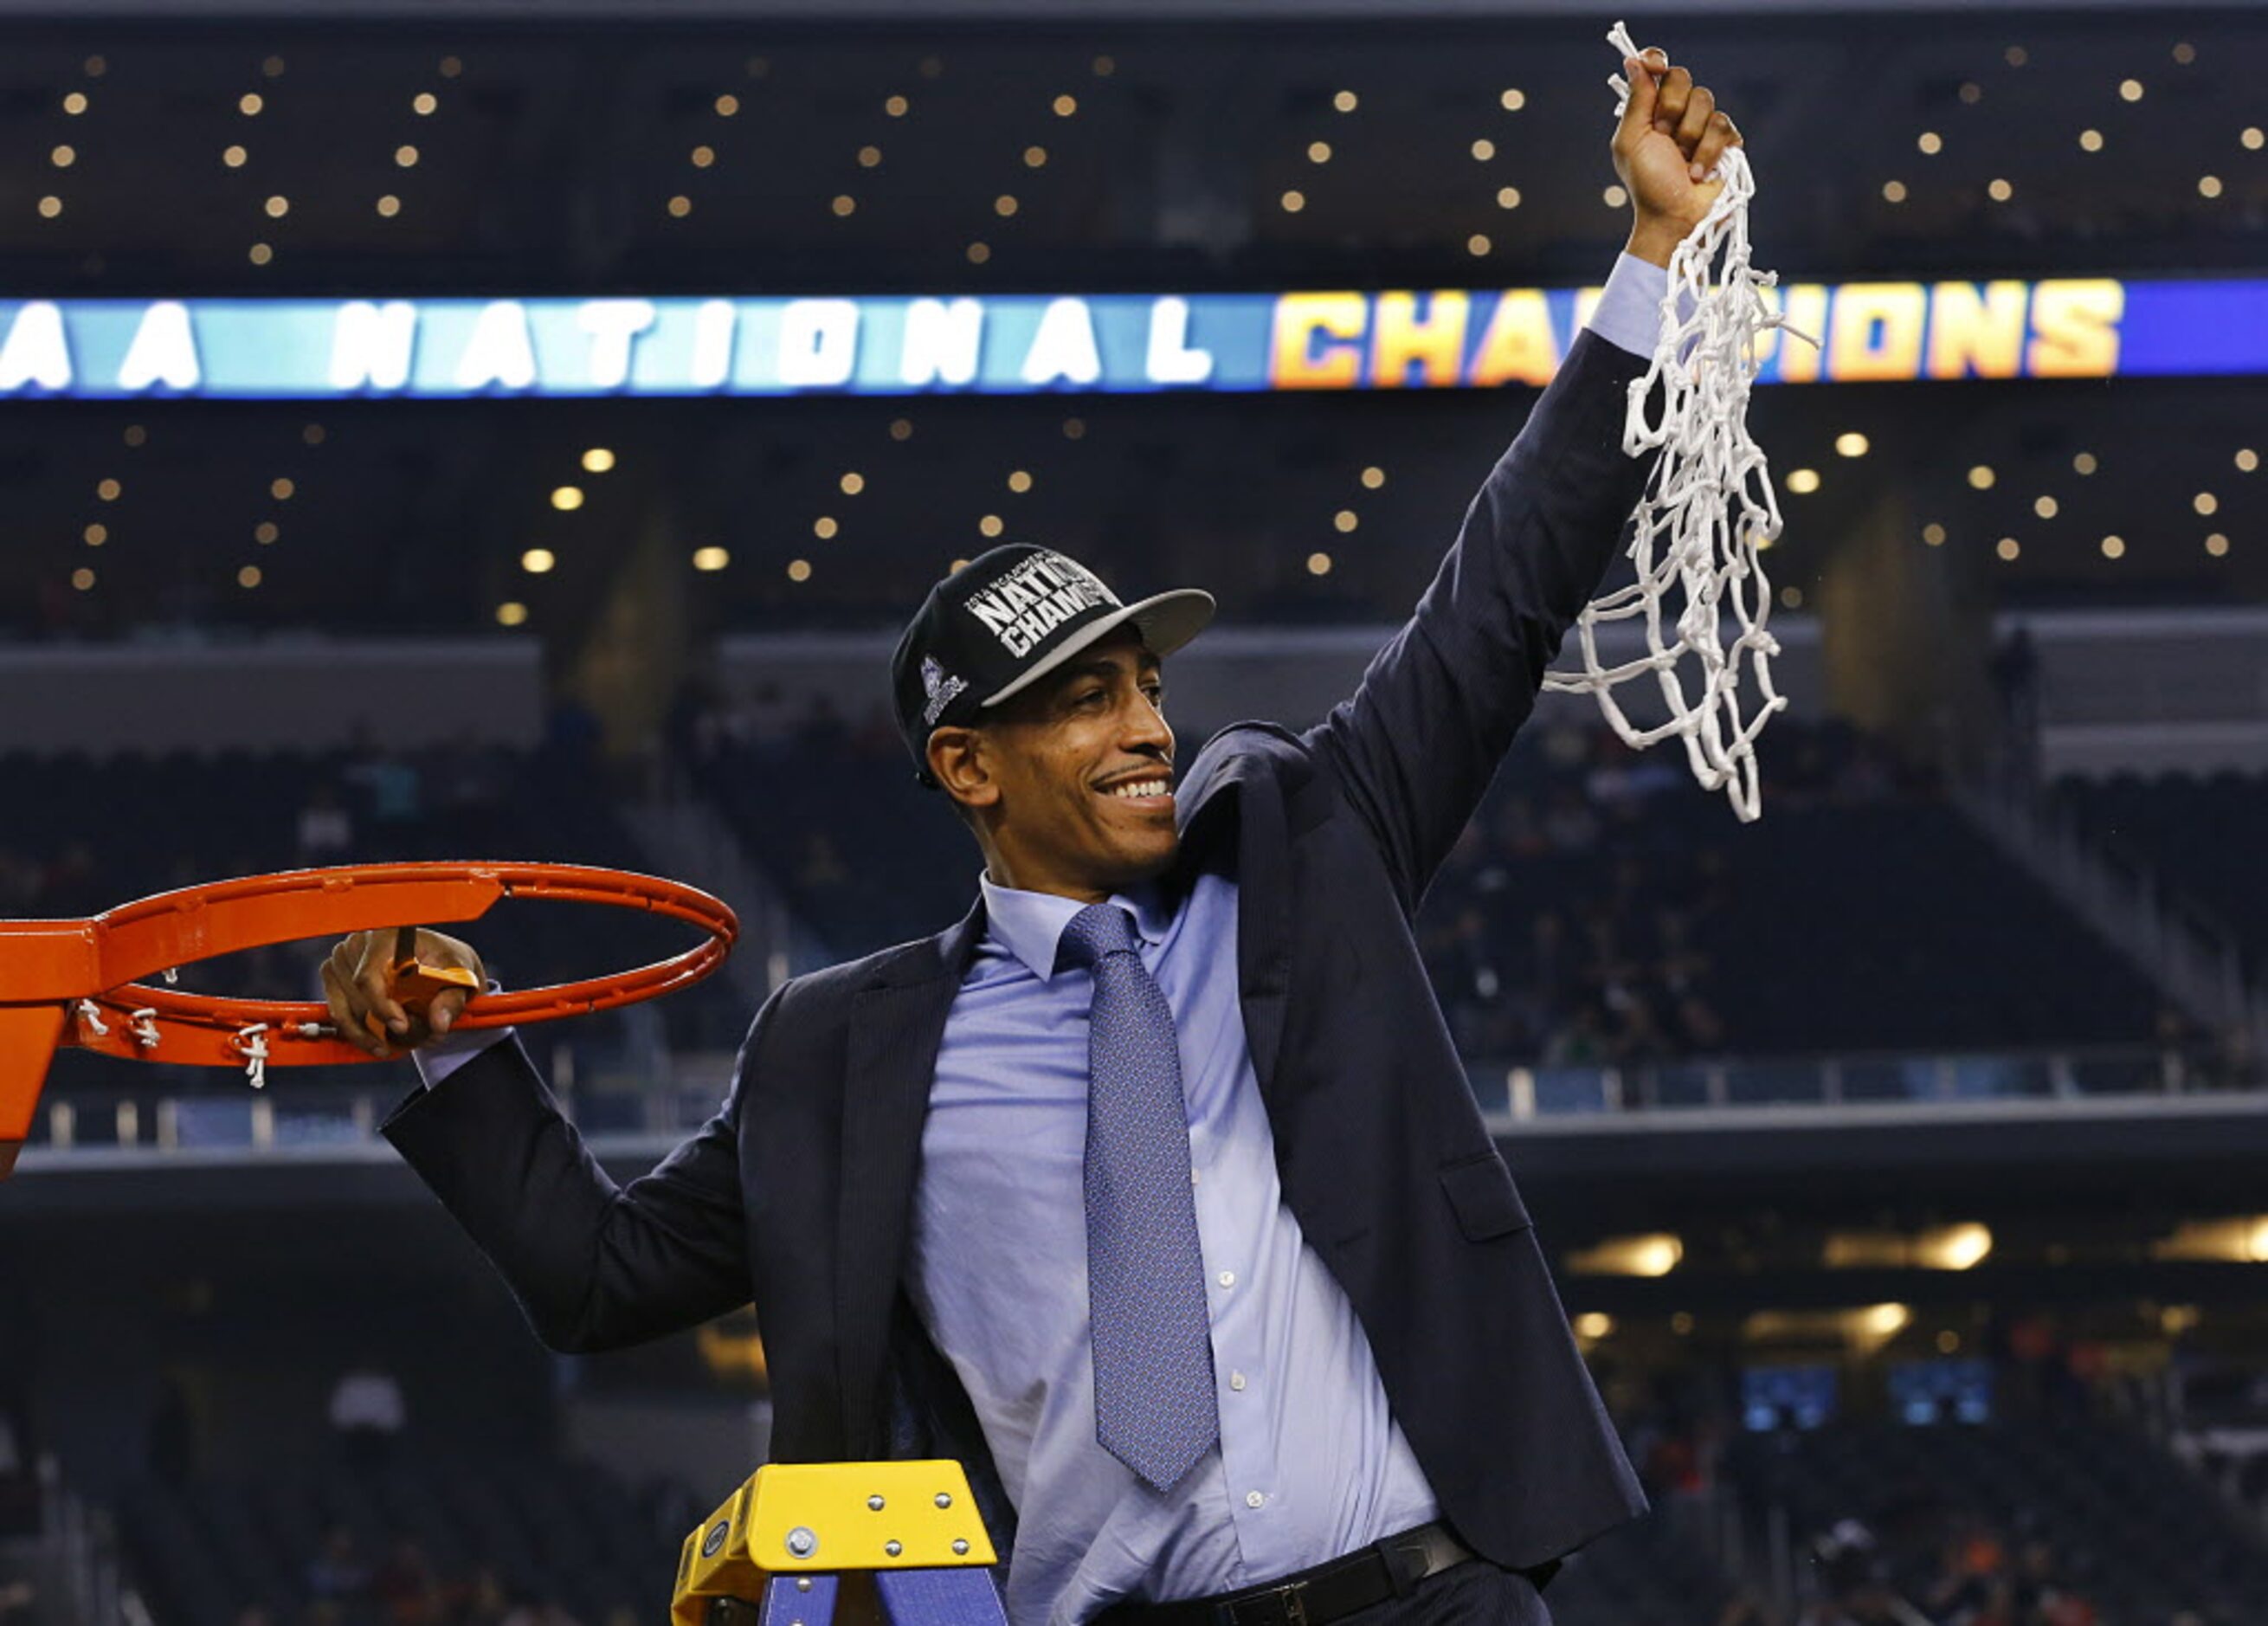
x=1154, y=1406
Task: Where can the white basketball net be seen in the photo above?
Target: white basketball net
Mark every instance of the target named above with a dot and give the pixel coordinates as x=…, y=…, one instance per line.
x=1708, y=506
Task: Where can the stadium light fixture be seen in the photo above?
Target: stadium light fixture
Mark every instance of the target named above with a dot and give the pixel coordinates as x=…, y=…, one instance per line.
x=2243, y=1240
x=1953, y=1248
x=1653, y=1253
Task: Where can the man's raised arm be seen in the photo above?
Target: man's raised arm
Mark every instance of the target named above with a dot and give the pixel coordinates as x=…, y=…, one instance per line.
x=1418, y=743
x=594, y=1265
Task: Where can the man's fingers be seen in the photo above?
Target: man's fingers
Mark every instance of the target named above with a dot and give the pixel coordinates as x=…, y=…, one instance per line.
x=1720, y=135
x=1693, y=123
x=441, y=1014
x=1638, y=112
x=375, y=987
x=345, y=1017
x=1670, y=106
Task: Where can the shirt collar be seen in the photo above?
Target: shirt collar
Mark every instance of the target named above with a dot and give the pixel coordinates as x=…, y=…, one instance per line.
x=1030, y=925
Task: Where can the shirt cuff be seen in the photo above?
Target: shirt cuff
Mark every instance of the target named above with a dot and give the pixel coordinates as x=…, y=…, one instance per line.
x=1628, y=312
x=444, y=1055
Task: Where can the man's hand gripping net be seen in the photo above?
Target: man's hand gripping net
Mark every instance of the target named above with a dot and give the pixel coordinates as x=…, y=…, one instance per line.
x=1708, y=507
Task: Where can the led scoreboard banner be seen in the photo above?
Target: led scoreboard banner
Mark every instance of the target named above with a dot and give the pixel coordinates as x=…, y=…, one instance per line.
x=291, y=348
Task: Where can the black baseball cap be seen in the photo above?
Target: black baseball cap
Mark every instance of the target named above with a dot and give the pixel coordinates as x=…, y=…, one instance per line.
x=1006, y=619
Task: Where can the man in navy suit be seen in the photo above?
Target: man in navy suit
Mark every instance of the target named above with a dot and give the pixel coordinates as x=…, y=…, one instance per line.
x=1154, y=1190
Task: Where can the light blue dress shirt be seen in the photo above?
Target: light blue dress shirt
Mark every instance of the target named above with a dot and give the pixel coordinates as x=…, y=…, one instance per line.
x=1311, y=1464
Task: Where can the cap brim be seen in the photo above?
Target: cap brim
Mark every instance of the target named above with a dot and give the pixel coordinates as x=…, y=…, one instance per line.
x=1166, y=620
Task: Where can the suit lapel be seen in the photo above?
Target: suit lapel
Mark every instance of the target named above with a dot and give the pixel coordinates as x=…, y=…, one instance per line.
x=897, y=1023
x=1242, y=789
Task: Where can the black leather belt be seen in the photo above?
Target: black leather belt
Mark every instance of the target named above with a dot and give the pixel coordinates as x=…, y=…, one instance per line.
x=1391, y=1568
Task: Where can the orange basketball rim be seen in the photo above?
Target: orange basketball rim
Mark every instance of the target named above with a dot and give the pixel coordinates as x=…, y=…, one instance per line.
x=82, y=982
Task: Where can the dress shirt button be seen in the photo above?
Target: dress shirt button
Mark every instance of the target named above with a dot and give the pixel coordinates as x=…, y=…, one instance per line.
x=1255, y=1498
x=1228, y=1278
x=1236, y=1382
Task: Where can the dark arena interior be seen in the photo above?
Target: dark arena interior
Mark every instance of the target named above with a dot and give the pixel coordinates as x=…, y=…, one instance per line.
x=438, y=430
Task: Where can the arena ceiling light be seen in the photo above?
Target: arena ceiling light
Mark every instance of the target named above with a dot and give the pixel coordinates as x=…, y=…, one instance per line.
x=1953, y=1248
x=2238, y=1240
x=1865, y=1328
x=1653, y=1253
x=1940, y=1248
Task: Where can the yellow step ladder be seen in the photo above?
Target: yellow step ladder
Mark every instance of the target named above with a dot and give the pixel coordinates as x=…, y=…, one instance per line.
x=905, y=1535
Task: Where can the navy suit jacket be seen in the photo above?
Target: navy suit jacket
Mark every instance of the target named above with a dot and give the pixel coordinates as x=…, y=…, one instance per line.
x=797, y=1195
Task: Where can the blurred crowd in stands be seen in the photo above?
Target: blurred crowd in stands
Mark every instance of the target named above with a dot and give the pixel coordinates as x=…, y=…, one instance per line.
x=2060, y=1510
x=1581, y=905
x=397, y=1531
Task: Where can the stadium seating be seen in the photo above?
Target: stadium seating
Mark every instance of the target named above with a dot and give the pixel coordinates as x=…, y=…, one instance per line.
x=2100, y=1511
x=1652, y=1572
x=357, y=1548
x=2200, y=836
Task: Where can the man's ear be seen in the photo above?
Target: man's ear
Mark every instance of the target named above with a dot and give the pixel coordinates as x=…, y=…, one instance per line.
x=959, y=763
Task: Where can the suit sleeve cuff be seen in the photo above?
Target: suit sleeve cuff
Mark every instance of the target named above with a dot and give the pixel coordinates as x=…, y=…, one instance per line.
x=1628, y=312
x=444, y=1056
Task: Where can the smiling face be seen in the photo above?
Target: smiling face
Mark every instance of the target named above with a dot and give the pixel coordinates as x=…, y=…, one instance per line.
x=1069, y=786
